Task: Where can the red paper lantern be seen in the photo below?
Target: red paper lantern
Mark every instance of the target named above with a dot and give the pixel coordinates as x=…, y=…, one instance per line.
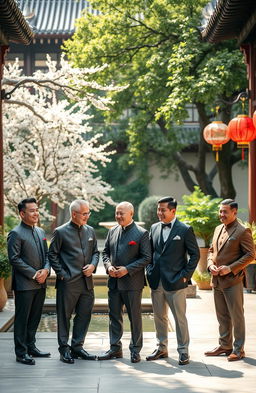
x=254, y=119
x=216, y=134
x=242, y=131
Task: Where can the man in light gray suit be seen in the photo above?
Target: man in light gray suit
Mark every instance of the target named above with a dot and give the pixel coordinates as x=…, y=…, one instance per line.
x=74, y=256
x=168, y=275
x=125, y=255
x=28, y=255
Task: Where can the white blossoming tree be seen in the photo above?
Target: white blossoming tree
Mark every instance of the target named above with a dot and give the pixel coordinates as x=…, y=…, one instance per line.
x=49, y=151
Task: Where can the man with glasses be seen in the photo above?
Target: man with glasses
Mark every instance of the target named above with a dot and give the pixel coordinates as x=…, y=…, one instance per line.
x=28, y=255
x=74, y=256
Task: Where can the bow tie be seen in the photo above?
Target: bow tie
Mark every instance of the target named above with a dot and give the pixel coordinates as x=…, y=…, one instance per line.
x=166, y=225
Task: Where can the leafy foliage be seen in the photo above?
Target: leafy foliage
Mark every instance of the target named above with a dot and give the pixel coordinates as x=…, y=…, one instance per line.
x=154, y=47
x=148, y=210
x=201, y=212
x=5, y=267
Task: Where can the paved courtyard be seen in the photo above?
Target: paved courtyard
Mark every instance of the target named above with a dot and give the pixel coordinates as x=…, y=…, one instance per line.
x=202, y=375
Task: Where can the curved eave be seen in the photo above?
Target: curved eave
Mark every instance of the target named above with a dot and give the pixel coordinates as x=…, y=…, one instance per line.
x=13, y=26
x=228, y=19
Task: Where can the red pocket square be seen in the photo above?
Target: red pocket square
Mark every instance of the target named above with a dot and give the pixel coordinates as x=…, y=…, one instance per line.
x=132, y=243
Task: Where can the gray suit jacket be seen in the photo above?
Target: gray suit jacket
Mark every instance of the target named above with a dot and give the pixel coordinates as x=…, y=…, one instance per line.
x=72, y=248
x=24, y=257
x=170, y=262
x=129, y=248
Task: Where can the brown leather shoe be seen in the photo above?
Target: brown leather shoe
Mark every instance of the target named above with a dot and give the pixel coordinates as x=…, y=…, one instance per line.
x=218, y=351
x=236, y=356
x=157, y=354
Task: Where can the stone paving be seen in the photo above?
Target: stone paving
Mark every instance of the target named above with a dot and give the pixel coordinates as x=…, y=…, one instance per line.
x=202, y=375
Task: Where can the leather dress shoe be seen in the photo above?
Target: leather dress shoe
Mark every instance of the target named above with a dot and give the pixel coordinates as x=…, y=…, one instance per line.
x=111, y=355
x=25, y=359
x=236, y=356
x=82, y=354
x=218, y=351
x=66, y=357
x=36, y=353
x=183, y=359
x=157, y=354
x=135, y=357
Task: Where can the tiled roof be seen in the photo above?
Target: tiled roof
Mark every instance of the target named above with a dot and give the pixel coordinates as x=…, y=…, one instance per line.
x=227, y=19
x=13, y=26
x=53, y=17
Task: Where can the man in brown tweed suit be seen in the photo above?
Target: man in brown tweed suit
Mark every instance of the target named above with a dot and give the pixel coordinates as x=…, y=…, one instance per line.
x=231, y=251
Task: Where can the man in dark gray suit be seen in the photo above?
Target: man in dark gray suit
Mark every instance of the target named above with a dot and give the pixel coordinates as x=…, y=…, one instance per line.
x=28, y=255
x=168, y=276
x=125, y=255
x=74, y=256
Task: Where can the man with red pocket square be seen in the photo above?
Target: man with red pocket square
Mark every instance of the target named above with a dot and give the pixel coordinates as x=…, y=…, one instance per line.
x=126, y=253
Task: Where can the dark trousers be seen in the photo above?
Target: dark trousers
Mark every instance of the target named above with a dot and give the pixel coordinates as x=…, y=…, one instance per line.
x=132, y=301
x=73, y=297
x=28, y=311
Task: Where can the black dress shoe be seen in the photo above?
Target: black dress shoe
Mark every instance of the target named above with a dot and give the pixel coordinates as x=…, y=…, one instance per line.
x=36, y=353
x=183, y=359
x=135, y=357
x=157, y=354
x=25, y=359
x=66, y=357
x=82, y=354
x=111, y=355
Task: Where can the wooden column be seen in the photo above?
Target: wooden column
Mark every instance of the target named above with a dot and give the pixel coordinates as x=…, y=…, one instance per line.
x=250, y=51
x=3, y=50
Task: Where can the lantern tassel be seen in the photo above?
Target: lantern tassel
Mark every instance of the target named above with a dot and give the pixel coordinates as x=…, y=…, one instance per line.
x=242, y=154
x=217, y=156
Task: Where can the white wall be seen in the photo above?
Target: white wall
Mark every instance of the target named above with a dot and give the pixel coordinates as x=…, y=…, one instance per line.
x=173, y=185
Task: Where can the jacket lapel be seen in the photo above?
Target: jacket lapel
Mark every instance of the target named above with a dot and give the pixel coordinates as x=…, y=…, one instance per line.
x=172, y=234
x=225, y=238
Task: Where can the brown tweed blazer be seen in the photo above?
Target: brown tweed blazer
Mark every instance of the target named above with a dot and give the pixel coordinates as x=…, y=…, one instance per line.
x=237, y=251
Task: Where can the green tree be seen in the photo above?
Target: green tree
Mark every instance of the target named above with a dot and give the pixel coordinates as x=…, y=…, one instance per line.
x=155, y=47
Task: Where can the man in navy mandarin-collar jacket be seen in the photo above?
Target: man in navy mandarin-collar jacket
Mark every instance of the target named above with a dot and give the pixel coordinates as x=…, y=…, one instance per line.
x=175, y=256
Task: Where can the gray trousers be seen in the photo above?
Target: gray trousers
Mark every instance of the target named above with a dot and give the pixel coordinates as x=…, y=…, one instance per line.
x=229, y=305
x=73, y=298
x=176, y=300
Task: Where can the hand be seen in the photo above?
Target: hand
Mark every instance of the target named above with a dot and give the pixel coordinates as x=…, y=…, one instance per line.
x=223, y=270
x=184, y=279
x=121, y=271
x=41, y=275
x=112, y=271
x=88, y=269
x=214, y=270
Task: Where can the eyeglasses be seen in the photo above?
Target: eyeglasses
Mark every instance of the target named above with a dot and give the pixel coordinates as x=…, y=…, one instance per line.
x=84, y=214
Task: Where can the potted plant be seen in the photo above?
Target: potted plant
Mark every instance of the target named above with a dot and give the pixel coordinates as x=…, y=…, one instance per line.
x=202, y=279
x=5, y=270
x=201, y=212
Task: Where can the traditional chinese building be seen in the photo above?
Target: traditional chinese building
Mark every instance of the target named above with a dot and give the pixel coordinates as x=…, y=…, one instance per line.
x=13, y=29
x=52, y=21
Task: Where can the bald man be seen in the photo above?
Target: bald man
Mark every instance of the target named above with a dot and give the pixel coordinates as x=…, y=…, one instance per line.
x=126, y=253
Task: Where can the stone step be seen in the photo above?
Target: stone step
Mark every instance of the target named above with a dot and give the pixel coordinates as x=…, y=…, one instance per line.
x=100, y=306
